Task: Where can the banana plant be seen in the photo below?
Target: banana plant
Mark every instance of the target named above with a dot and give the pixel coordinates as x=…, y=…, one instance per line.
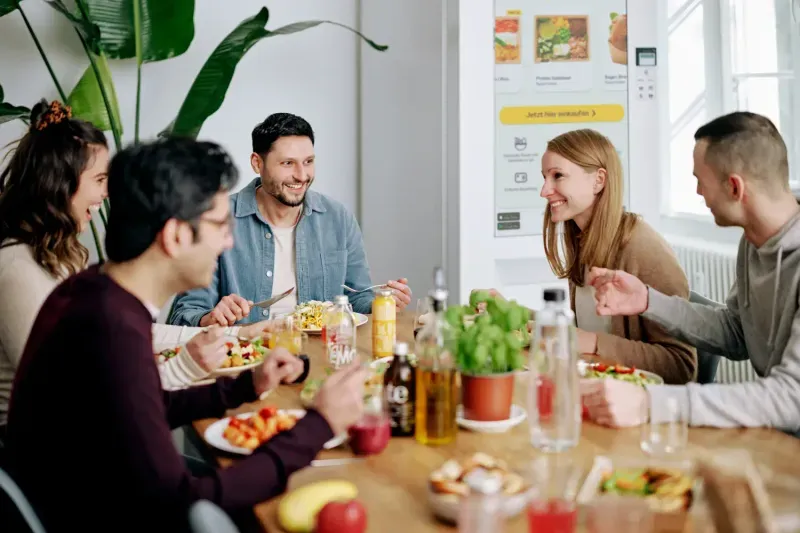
x=10, y=112
x=148, y=31
x=211, y=84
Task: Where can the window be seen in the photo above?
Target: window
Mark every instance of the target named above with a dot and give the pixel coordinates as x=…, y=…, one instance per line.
x=728, y=55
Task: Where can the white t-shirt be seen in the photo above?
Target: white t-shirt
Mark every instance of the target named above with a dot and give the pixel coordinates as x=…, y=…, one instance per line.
x=284, y=270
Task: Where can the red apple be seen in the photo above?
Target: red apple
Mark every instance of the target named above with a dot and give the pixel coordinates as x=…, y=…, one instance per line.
x=342, y=517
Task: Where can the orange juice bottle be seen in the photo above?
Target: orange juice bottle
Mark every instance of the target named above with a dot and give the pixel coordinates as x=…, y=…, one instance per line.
x=384, y=324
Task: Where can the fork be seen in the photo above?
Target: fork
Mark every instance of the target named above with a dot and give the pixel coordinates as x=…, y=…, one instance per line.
x=363, y=290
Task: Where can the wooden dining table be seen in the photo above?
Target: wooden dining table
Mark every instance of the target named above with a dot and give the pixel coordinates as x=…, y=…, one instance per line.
x=393, y=485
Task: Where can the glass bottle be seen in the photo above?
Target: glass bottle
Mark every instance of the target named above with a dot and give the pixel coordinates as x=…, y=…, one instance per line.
x=437, y=373
x=554, y=402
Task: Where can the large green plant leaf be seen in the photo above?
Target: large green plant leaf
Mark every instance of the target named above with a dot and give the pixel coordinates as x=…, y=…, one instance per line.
x=167, y=27
x=87, y=100
x=90, y=32
x=10, y=112
x=210, y=86
x=7, y=6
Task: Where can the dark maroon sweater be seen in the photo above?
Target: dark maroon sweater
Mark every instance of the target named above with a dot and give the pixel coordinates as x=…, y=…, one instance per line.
x=89, y=427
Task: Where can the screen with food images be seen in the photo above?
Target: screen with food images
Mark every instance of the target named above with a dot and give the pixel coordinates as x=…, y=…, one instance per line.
x=560, y=65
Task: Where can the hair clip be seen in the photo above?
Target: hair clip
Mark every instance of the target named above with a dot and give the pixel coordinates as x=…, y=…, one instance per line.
x=55, y=114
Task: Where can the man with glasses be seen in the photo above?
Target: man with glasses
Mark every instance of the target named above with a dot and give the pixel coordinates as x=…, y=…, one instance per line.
x=90, y=350
x=287, y=236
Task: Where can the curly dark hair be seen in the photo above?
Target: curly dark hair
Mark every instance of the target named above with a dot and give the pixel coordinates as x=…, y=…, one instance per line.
x=37, y=186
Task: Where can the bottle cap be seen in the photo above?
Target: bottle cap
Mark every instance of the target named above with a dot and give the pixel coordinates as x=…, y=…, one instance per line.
x=385, y=292
x=340, y=299
x=401, y=348
x=554, y=295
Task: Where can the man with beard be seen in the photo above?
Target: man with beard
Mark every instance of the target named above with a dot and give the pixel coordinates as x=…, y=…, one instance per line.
x=286, y=236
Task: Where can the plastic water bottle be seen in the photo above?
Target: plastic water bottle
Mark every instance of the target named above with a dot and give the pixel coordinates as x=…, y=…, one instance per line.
x=554, y=400
x=339, y=332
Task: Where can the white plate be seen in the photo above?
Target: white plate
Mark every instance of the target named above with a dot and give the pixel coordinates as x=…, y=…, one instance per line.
x=215, y=433
x=518, y=414
x=232, y=371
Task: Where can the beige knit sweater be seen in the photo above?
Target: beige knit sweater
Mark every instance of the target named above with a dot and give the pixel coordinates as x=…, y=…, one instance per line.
x=636, y=341
x=24, y=286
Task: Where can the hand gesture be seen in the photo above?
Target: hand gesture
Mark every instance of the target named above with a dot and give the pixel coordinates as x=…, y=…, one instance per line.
x=208, y=349
x=228, y=311
x=614, y=403
x=279, y=366
x=401, y=292
x=258, y=329
x=340, y=399
x=617, y=292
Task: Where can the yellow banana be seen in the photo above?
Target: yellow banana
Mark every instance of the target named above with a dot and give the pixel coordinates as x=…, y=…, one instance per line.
x=298, y=510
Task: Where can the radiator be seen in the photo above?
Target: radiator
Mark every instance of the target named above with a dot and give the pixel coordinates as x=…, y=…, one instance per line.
x=711, y=272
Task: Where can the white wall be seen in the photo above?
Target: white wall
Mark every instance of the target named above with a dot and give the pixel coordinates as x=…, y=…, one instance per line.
x=402, y=142
x=312, y=74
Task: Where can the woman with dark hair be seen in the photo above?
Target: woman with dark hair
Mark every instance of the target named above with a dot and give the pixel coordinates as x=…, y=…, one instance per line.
x=54, y=181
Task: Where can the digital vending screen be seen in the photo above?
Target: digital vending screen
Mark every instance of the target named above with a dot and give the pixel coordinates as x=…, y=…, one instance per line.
x=559, y=65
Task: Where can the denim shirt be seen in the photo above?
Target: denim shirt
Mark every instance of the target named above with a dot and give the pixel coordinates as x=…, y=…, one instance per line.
x=329, y=252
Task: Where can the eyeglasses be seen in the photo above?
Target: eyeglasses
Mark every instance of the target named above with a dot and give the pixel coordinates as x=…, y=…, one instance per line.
x=226, y=224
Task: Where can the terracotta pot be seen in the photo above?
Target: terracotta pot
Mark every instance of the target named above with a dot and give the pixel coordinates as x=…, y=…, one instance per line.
x=487, y=398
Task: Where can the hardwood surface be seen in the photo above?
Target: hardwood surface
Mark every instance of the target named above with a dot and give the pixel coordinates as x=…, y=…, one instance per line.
x=393, y=486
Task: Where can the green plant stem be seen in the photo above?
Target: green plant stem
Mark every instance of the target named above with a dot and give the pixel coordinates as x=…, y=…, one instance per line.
x=137, y=29
x=41, y=53
x=103, y=92
x=101, y=257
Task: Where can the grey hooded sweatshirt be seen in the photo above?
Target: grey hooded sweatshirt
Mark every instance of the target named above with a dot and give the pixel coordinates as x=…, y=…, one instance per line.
x=761, y=322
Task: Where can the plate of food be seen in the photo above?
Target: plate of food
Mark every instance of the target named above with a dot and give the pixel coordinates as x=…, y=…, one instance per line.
x=447, y=486
x=244, y=433
x=308, y=316
x=243, y=355
x=667, y=486
x=620, y=372
x=311, y=386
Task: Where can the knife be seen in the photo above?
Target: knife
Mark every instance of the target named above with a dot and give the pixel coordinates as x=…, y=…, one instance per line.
x=266, y=304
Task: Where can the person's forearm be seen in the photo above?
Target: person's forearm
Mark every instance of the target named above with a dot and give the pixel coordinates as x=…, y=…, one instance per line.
x=773, y=401
x=709, y=329
x=209, y=401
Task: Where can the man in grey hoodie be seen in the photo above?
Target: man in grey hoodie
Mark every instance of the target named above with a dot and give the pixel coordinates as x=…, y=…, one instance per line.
x=742, y=170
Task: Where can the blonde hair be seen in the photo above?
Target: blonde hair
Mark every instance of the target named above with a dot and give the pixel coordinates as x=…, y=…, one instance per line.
x=609, y=227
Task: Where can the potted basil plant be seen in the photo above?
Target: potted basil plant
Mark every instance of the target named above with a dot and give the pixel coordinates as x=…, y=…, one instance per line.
x=490, y=348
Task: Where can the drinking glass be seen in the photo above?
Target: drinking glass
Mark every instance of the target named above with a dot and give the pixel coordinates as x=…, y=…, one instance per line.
x=552, y=508
x=423, y=308
x=668, y=436
x=371, y=434
x=612, y=513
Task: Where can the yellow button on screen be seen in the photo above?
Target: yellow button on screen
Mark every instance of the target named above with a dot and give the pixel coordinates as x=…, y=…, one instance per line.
x=558, y=114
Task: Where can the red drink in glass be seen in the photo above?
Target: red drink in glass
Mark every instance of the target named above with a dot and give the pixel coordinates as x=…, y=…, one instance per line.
x=552, y=516
x=370, y=435
x=544, y=397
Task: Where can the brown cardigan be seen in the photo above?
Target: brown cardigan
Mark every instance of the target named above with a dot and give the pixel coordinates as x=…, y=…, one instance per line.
x=635, y=341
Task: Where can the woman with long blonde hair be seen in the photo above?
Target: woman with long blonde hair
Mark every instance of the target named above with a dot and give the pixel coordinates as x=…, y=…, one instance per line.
x=583, y=186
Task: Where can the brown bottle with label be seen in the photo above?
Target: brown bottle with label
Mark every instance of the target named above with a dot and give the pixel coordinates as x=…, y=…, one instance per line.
x=399, y=385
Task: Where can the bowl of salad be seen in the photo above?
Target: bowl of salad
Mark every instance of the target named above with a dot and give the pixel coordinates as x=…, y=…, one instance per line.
x=620, y=372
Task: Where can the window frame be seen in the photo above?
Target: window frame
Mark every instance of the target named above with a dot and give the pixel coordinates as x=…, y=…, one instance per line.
x=720, y=97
